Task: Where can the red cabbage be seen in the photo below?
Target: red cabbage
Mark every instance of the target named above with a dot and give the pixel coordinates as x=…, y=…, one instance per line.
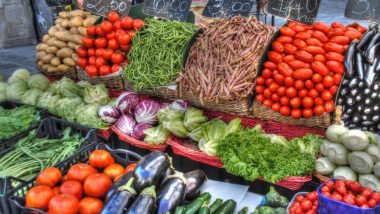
x=108, y=114
x=146, y=111
x=127, y=101
x=138, y=130
x=180, y=105
x=125, y=124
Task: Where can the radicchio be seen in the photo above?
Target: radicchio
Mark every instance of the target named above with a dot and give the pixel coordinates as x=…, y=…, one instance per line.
x=108, y=114
x=138, y=130
x=125, y=123
x=180, y=105
x=127, y=101
x=146, y=111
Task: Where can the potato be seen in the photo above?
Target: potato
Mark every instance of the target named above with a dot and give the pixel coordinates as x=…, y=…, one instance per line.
x=45, y=38
x=47, y=58
x=65, y=23
x=76, y=21
x=45, y=67
x=42, y=47
x=74, y=31
x=63, y=35
x=90, y=21
x=52, y=31
x=51, y=49
x=40, y=63
x=58, y=21
x=40, y=55
x=77, y=13
x=82, y=31
x=76, y=39
x=56, y=42
x=65, y=52
x=55, y=61
x=63, y=68
x=72, y=45
x=69, y=61
x=60, y=28
x=75, y=57
x=52, y=69
x=63, y=15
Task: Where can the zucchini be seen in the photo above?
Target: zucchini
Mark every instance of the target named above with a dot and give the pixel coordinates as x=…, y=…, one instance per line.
x=266, y=210
x=227, y=207
x=194, y=206
x=243, y=211
x=215, y=205
x=280, y=210
x=179, y=210
x=274, y=199
x=204, y=209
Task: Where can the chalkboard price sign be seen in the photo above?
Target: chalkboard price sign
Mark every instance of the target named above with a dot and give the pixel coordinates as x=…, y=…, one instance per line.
x=169, y=9
x=103, y=7
x=227, y=8
x=304, y=11
x=366, y=10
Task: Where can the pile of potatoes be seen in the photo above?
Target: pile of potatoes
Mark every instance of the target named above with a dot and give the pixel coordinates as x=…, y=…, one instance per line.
x=57, y=55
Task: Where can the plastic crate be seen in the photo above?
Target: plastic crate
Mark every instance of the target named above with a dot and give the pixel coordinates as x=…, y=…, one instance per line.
x=121, y=156
x=294, y=199
x=41, y=114
x=51, y=128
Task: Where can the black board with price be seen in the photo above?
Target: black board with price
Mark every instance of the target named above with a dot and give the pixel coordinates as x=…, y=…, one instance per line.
x=366, y=10
x=227, y=8
x=103, y=7
x=170, y=9
x=304, y=11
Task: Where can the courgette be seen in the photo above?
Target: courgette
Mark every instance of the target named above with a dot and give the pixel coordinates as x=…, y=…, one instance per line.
x=280, y=210
x=266, y=210
x=227, y=207
x=274, y=199
x=204, y=209
x=179, y=210
x=243, y=211
x=194, y=206
x=215, y=205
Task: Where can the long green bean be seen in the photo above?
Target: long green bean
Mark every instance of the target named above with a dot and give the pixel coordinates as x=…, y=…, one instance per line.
x=157, y=53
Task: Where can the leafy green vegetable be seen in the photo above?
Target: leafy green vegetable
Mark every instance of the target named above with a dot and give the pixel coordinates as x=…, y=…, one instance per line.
x=3, y=91
x=194, y=118
x=175, y=127
x=66, y=88
x=250, y=154
x=21, y=74
x=83, y=84
x=276, y=139
x=156, y=135
x=66, y=107
x=39, y=81
x=31, y=96
x=166, y=114
x=16, y=120
x=96, y=94
x=87, y=115
x=48, y=101
x=16, y=90
x=308, y=144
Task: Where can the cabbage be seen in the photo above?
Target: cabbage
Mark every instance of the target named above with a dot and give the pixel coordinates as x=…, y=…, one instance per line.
x=108, y=114
x=83, y=84
x=96, y=94
x=16, y=90
x=125, y=123
x=213, y=133
x=194, y=118
x=19, y=75
x=67, y=107
x=156, y=135
x=166, y=114
x=146, y=111
x=66, y=88
x=175, y=127
x=39, y=81
x=87, y=115
x=3, y=91
x=138, y=130
x=180, y=105
x=48, y=101
x=127, y=101
x=31, y=96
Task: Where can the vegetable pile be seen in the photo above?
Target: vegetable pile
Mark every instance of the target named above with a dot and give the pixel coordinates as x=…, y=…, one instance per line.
x=247, y=153
x=305, y=204
x=16, y=120
x=105, y=48
x=351, y=192
x=57, y=52
x=360, y=90
x=223, y=62
x=32, y=154
x=274, y=203
x=350, y=155
x=157, y=53
x=304, y=68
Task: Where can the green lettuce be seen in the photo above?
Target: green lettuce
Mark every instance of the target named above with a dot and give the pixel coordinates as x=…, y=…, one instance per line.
x=39, y=81
x=31, y=96
x=194, y=118
x=96, y=94
x=156, y=135
x=16, y=90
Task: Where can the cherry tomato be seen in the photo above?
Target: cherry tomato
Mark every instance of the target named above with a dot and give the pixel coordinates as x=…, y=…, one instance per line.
x=117, y=58
x=319, y=87
x=333, y=89
x=367, y=193
x=113, y=16
x=319, y=110
x=260, y=80
x=372, y=203
x=307, y=113
x=49, y=177
x=281, y=91
x=317, y=78
x=312, y=196
x=72, y=188
x=97, y=185
x=302, y=93
x=90, y=205
x=376, y=196
x=101, y=158
x=113, y=44
x=328, y=81
x=88, y=42
x=284, y=101
x=291, y=92
x=289, y=81
x=39, y=197
x=329, y=106
x=266, y=73
x=360, y=200
x=306, y=205
x=64, y=204
x=104, y=70
x=318, y=101
x=313, y=93
x=307, y=102
x=99, y=31
x=295, y=102
x=259, y=89
x=299, y=198
x=81, y=51
x=309, y=84
x=296, y=113
x=327, y=95
x=275, y=97
x=285, y=110
x=91, y=52
x=100, y=61
x=99, y=52
x=299, y=84
x=79, y=172
x=274, y=87
x=267, y=93
x=268, y=103
x=91, y=70
x=268, y=82
x=276, y=107
x=337, y=78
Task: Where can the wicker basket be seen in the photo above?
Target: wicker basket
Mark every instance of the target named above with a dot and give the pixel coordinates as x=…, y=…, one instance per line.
x=113, y=81
x=72, y=74
x=169, y=92
x=291, y=131
x=262, y=112
x=321, y=178
x=134, y=142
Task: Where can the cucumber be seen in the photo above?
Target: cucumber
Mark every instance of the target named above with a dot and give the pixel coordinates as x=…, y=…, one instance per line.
x=227, y=207
x=179, y=210
x=194, y=206
x=243, y=211
x=204, y=209
x=215, y=205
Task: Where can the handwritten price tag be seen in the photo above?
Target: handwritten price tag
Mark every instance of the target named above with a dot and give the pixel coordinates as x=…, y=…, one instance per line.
x=227, y=8
x=366, y=10
x=103, y=7
x=170, y=9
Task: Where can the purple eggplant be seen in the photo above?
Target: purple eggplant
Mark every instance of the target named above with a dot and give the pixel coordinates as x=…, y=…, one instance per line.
x=195, y=179
x=349, y=59
x=171, y=194
x=359, y=66
x=371, y=72
x=169, y=172
x=145, y=202
x=120, y=200
x=120, y=182
x=366, y=38
x=371, y=53
x=150, y=169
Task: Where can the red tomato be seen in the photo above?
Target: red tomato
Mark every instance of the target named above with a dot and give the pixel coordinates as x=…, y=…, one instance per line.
x=328, y=81
x=115, y=68
x=285, y=110
x=100, y=61
x=287, y=31
x=284, y=101
x=333, y=89
x=306, y=205
x=323, y=27
x=278, y=46
x=111, y=35
x=329, y=106
x=320, y=68
x=101, y=42
x=274, y=56
x=127, y=23
x=299, y=84
x=106, y=26
x=303, y=74
x=90, y=205
x=284, y=39
x=289, y=81
x=117, y=25
x=99, y=52
x=291, y=92
x=320, y=36
x=296, y=113
x=82, y=62
x=137, y=24
x=279, y=78
x=56, y=190
x=124, y=39
x=332, y=56
x=92, y=60
x=91, y=52
x=295, y=102
x=275, y=97
x=302, y=93
x=375, y=195
x=97, y=185
x=319, y=110
x=312, y=196
x=337, y=25
x=335, y=66
x=307, y=113
x=91, y=30
x=88, y=42
x=113, y=44
x=304, y=56
x=318, y=101
x=353, y=34
x=309, y=84
x=313, y=93
x=125, y=48
x=319, y=87
x=104, y=70
x=307, y=102
x=117, y=58
x=113, y=16
x=290, y=49
x=260, y=80
x=367, y=193
x=355, y=187
x=276, y=107
x=267, y=93
x=302, y=35
x=99, y=31
x=297, y=64
x=79, y=172
x=49, y=177
x=274, y=87
x=107, y=54
x=320, y=58
x=336, y=196
x=327, y=95
x=72, y=188
x=260, y=98
x=64, y=204
x=327, y=194
x=317, y=78
x=337, y=78
x=101, y=158
x=259, y=89
x=360, y=200
x=281, y=91
x=270, y=65
x=300, y=44
x=268, y=103
x=91, y=70
x=81, y=51
x=114, y=170
x=39, y=197
x=372, y=203
x=314, y=42
x=130, y=167
x=266, y=73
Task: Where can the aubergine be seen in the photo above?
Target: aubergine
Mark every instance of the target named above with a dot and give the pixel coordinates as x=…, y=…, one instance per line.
x=378, y=65
x=349, y=59
x=120, y=182
x=149, y=170
x=171, y=194
x=371, y=54
x=169, y=171
x=374, y=41
x=120, y=200
x=353, y=82
x=359, y=65
x=366, y=38
x=195, y=179
x=373, y=26
x=371, y=72
x=145, y=202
